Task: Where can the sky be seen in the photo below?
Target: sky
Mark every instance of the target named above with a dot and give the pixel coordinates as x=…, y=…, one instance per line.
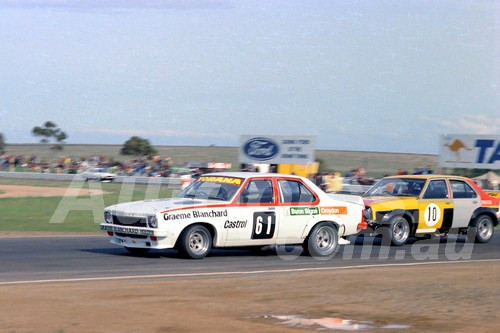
x=359, y=75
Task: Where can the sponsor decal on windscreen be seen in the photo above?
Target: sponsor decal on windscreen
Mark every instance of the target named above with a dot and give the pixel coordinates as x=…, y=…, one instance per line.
x=222, y=180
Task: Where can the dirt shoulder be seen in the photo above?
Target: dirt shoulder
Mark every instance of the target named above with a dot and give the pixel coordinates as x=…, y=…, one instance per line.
x=458, y=298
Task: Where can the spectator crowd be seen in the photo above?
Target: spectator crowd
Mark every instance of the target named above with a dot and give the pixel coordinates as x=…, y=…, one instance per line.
x=157, y=166
x=154, y=166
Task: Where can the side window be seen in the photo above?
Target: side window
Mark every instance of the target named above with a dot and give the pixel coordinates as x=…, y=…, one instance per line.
x=292, y=191
x=258, y=191
x=462, y=190
x=436, y=190
x=470, y=193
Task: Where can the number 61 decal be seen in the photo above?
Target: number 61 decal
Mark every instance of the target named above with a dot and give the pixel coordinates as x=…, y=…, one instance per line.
x=264, y=224
x=432, y=214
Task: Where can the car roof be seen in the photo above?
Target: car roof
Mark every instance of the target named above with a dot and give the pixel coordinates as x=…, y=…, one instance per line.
x=248, y=175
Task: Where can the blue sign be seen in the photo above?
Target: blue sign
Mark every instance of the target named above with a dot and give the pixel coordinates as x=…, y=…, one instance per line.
x=483, y=146
x=261, y=149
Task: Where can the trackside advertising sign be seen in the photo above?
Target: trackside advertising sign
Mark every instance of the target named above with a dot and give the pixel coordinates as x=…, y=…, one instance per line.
x=277, y=149
x=470, y=151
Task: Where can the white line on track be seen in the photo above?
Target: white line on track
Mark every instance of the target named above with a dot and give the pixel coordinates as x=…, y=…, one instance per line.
x=271, y=271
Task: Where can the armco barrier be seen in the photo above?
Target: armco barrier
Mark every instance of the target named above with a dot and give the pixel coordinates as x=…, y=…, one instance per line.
x=36, y=176
x=176, y=182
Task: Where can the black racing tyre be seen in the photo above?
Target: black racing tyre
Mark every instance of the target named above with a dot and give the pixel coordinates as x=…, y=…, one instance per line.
x=397, y=231
x=323, y=240
x=139, y=251
x=195, y=242
x=481, y=229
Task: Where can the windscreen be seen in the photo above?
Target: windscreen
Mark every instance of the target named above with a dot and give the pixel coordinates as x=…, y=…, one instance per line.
x=409, y=187
x=212, y=188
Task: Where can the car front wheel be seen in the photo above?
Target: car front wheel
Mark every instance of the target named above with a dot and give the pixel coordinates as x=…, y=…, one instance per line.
x=195, y=242
x=397, y=231
x=481, y=230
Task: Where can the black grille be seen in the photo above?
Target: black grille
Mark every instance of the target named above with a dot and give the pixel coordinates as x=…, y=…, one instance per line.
x=130, y=221
x=130, y=236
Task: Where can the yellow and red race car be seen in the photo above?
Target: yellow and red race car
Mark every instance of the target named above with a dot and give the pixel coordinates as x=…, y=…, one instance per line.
x=399, y=207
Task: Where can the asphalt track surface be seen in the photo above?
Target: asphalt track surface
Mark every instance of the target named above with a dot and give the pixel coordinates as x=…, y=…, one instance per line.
x=49, y=259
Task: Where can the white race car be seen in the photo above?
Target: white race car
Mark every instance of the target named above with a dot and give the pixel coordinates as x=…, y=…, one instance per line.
x=99, y=174
x=237, y=209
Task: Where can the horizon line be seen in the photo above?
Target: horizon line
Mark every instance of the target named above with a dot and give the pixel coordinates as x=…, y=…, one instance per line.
x=217, y=146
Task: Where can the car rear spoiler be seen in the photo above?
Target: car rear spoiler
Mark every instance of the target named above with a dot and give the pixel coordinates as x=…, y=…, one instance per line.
x=356, y=199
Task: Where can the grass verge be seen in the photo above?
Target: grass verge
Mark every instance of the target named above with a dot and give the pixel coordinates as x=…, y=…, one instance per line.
x=35, y=213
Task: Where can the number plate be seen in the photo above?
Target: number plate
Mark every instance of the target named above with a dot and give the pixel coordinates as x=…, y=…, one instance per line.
x=125, y=230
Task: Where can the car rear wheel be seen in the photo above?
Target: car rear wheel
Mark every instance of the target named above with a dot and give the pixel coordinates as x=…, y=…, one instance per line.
x=481, y=230
x=323, y=240
x=397, y=232
x=137, y=250
x=195, y=242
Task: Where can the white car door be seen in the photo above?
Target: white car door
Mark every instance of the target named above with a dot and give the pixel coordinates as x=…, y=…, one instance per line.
x=465, y=202
x=253, y=221
x=298, y=206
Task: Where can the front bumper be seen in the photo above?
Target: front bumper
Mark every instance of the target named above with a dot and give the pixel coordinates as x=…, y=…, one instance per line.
x=136, y=231
x=139, y=237
x=371, y=230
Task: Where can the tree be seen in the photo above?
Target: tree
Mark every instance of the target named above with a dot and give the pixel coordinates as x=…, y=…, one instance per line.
x=2, y=144
x=50, y=133
x=137, y=146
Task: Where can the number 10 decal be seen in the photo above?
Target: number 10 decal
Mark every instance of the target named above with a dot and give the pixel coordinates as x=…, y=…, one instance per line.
x=264, y=224
x=432, y=214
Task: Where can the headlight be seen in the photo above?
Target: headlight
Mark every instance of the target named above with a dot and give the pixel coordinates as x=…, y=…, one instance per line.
x=108, y=217
x=152, y=222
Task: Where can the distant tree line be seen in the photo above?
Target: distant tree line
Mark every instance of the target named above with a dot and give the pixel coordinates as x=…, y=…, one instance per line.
x=50, y=133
